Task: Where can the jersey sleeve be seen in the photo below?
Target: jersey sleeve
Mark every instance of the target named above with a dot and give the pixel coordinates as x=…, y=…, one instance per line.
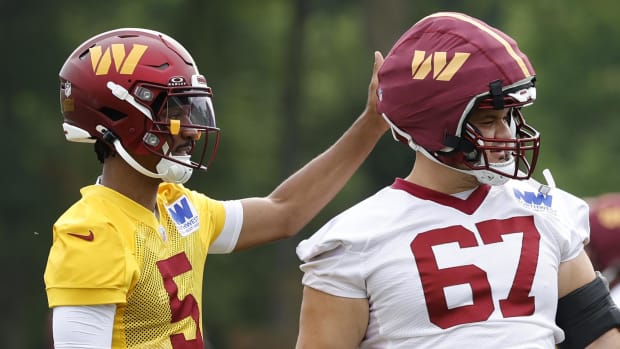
x=332, y=264
x=231, y=228
x=87, y=264
x=563, y=215
x=220, y=223
x=576, y=225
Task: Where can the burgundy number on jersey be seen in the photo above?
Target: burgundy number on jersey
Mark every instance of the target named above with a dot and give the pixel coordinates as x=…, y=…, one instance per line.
x=434, y=279
x=180, y=308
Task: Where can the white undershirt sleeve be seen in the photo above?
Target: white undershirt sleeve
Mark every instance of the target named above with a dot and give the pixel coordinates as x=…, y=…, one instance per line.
x=83, y=327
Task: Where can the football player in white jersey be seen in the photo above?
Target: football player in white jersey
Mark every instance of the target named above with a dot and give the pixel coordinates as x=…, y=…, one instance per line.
x=604, y=246
x=467, y=251
x=125, y=270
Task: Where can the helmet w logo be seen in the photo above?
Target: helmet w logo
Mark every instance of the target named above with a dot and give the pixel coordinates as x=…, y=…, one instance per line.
x=421, y=65
x=123, y=63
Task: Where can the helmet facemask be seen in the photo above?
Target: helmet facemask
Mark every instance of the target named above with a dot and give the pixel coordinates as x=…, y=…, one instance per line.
x=187, y=113
x=522, y=151
x=471, y=150
x=183, y=122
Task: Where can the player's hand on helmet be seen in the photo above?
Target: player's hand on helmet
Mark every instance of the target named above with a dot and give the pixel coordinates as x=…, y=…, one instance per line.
x=371, y=102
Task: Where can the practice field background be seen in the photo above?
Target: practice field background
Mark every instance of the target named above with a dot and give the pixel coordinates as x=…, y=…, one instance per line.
x=288, y=77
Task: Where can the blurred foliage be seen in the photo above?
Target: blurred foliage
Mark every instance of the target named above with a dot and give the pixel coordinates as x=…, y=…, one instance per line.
x=289, y=77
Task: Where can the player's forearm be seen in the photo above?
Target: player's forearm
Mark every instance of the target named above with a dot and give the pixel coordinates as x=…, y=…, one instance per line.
x=300, y=197
x=307, y=191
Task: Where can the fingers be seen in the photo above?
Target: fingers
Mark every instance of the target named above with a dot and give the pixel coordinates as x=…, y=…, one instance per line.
x=375, y=69
x=374, y=81
x=378, y=61
x=371, y=102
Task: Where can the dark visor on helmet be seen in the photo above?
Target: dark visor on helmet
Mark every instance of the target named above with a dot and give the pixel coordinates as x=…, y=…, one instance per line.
x=187, y=111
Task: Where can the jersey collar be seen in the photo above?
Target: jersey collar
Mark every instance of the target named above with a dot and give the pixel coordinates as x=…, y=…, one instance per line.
x=467, y=206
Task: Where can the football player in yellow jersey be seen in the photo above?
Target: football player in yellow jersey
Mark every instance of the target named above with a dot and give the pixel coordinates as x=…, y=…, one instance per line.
x=125, y=269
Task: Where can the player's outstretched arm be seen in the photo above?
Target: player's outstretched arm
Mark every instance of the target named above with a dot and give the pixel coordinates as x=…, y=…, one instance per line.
x=331, y=322
x=300, y=197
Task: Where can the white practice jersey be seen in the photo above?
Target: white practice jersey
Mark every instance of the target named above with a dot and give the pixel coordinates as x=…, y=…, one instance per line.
x=442, y=272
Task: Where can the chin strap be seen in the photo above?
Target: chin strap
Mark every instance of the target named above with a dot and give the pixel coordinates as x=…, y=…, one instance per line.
x=167, y=170
x=482, y=176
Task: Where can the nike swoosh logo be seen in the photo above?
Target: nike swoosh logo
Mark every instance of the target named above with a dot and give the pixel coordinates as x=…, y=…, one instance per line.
x=89, y=237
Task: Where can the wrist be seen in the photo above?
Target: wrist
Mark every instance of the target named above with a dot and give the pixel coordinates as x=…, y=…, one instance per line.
x=375, y=121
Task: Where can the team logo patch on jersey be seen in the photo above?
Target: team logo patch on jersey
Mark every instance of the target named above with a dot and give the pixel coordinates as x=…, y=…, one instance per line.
x=184, y=216
x=538, y=201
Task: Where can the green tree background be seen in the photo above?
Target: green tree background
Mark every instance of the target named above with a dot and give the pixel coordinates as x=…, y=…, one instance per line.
x=289, y=76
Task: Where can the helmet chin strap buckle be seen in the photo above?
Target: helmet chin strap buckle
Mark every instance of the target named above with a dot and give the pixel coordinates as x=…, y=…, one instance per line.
x=109, y=136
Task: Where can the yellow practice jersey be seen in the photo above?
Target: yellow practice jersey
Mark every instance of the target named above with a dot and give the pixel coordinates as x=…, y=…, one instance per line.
x=107, y=249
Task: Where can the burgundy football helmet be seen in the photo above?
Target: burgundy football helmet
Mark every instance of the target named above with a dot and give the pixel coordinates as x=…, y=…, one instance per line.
x=444, y=67
x=134, y=89
x=604, y=246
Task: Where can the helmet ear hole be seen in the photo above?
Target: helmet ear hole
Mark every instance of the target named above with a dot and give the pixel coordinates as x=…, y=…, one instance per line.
x=113, y=114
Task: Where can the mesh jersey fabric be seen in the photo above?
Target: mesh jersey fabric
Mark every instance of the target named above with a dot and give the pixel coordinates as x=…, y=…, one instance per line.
x=109, y=249
x=442, y=272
